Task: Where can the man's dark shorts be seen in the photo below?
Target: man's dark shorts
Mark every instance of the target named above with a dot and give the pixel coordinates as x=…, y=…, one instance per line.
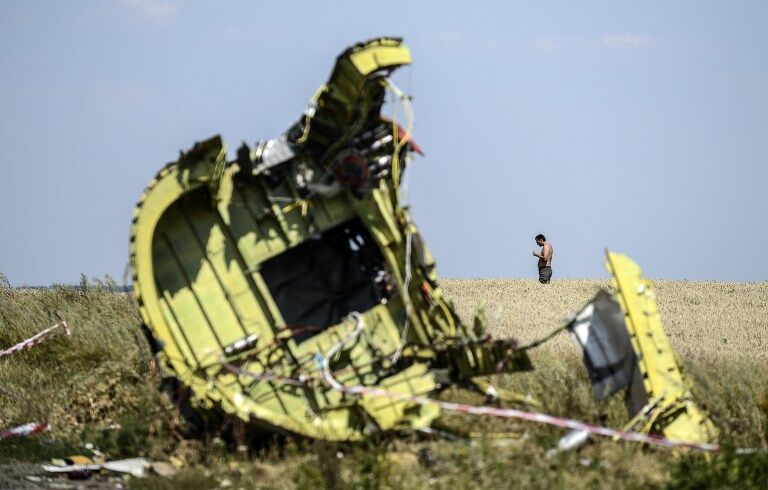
x=545, y=274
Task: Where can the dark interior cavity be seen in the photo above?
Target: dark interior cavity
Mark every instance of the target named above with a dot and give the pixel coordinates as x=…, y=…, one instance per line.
x=319, y=282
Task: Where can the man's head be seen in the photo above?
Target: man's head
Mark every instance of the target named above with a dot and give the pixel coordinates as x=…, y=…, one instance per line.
x=540, y=239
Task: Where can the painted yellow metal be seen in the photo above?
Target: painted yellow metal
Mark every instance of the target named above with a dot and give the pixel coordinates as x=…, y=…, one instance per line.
x=206, y=229
x=381, y=53
x=214, y=242
x=671, y=410
x=199, y=292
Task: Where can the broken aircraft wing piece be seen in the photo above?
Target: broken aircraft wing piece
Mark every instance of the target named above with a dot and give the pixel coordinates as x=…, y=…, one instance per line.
x=625, y=347
x=662, y=401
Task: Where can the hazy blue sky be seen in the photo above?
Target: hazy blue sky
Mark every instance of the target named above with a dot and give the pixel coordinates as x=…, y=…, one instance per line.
x=640, y=126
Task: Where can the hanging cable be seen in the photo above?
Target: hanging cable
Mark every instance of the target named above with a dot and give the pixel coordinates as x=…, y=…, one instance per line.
x=405, y=103
x=405, y=293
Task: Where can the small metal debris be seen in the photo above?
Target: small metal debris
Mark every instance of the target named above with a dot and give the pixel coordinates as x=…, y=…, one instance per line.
x=133, y=466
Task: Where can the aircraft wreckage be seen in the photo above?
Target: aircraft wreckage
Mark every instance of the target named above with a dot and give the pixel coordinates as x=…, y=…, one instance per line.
x=291, y=288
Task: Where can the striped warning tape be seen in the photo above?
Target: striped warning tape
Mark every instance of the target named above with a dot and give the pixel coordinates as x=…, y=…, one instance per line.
x=537, y=417
x=25, y=430
x=323, y=362
x=35, y=340
x=31, y=428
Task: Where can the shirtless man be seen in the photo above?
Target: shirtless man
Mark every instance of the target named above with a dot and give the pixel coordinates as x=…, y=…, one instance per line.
x=545, y=259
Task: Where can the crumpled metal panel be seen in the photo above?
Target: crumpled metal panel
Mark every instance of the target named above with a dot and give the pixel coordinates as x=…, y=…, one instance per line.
x=222, y=307
x=600, y=331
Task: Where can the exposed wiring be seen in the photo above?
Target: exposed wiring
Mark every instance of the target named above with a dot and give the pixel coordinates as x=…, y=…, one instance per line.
x=324, y=360
x=537, y=417
x=310, y=113
x=405, y=294
x=405, y=103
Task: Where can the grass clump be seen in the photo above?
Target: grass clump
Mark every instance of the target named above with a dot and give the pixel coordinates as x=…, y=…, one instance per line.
x=727, y=469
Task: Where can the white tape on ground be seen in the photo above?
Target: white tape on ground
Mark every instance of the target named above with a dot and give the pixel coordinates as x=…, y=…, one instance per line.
x=25, y=430
x=35, y=340
x=323, y=362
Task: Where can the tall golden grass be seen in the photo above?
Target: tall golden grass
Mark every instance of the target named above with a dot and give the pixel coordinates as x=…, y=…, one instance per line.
x=706, y=321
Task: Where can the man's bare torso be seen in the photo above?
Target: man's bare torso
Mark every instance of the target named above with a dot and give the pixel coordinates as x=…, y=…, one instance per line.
x=546, y=255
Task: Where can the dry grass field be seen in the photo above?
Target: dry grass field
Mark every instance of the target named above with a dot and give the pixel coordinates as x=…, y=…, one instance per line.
x=99, y=386
x=705, y=321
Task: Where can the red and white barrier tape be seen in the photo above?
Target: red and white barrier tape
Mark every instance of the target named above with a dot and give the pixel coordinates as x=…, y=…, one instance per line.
x=25, y=430
x=537, y=417
x=35, y=340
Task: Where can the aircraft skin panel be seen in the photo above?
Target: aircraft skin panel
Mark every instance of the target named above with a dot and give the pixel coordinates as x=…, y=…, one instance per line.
x=193, y=276
x=216, y=246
